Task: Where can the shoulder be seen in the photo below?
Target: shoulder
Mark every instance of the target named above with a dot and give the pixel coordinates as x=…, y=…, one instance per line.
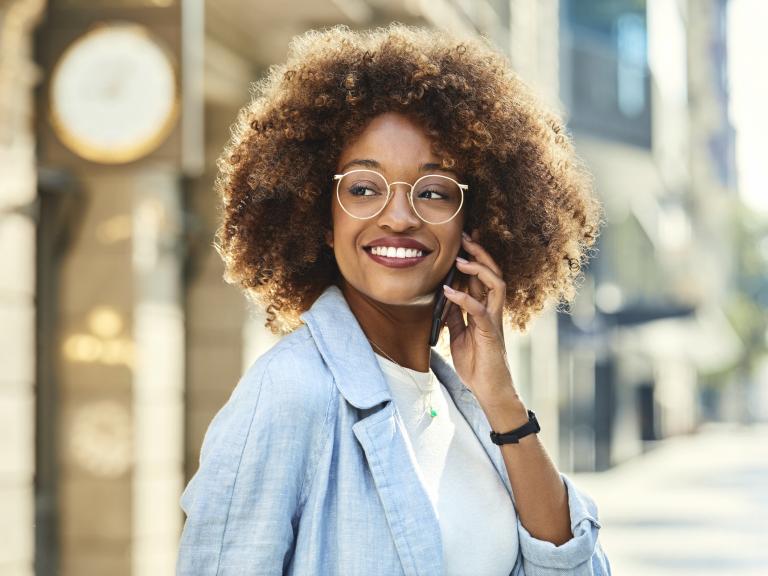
x=291, y=370
x=277, y=420
x=288, y=389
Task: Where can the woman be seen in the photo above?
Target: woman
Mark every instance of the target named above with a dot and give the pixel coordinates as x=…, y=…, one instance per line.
x=351, y=447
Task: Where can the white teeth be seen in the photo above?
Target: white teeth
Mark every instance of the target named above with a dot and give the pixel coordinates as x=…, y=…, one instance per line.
x=392, y=252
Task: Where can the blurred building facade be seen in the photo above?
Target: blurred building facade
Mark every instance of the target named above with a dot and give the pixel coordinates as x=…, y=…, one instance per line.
x=122, y=340
x=645, y=86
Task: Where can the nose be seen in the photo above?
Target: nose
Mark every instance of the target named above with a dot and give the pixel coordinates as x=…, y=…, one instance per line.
x=398, y=214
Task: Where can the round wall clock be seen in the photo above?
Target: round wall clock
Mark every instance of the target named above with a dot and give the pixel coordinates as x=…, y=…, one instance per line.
x=114, y=94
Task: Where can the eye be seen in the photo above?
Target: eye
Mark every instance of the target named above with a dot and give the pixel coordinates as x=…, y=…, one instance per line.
x=360, y=190
x=436, y=189
x=362, y=187
x=438, y=195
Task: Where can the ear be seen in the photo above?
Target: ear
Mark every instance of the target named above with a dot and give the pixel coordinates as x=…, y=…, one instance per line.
x=329, y=237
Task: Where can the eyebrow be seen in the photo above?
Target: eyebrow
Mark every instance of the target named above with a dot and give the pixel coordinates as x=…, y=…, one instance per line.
x=368, y=163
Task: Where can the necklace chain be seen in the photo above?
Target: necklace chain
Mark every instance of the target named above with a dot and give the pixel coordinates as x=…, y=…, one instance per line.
x=431, y=411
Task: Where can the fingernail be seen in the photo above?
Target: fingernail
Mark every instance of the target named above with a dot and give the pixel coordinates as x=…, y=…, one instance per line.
x=466, y=236
x=462, y=260
x=448, y=289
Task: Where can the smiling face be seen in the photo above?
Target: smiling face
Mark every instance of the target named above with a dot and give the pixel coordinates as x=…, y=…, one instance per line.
x=398, y=148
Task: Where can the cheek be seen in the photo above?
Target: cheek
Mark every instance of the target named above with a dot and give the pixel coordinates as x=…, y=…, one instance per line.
x=452, y=239
x=337, y=223
x=345, y=233
x=461, y=220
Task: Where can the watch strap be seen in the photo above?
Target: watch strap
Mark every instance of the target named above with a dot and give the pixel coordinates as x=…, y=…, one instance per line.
x=513, y=436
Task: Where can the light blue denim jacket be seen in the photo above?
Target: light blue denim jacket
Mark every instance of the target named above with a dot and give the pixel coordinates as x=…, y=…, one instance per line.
x=307, y=470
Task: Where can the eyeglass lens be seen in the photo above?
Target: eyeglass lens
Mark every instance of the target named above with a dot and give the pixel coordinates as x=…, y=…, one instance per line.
x=436, y=198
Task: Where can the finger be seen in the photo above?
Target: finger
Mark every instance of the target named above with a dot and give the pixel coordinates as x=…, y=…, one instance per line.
x=478, y=311
x=485, y=281
x=479, y=253
x=488, y=278
x=472, y=284
x=454, y=320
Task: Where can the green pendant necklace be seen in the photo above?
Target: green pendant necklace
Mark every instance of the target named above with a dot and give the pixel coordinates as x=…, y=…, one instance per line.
x=431, y=411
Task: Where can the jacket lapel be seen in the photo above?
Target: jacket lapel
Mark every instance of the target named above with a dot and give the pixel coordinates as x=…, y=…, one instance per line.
x=381, y=433
x=411, y=517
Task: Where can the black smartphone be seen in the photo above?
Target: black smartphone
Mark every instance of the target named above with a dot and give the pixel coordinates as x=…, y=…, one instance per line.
x=441, y=310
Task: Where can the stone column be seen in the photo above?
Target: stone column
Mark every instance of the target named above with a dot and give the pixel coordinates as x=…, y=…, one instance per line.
x=158, y=380
x=534, y=45
x=18, y=184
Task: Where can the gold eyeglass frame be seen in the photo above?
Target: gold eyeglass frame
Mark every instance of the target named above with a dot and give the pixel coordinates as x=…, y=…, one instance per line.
x=338, y=178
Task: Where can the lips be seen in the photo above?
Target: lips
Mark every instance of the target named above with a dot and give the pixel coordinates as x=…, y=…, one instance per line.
x=400, y=243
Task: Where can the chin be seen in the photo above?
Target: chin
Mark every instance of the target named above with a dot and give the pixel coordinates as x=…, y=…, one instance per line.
x=401, y=296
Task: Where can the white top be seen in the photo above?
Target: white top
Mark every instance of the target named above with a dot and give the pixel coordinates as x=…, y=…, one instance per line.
x=477, y=519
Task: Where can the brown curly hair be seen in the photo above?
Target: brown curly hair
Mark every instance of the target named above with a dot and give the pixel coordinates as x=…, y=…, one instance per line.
x=530, y=196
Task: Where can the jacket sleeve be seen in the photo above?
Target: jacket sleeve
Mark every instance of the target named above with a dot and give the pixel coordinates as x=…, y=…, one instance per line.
x=580, y=556
x=256, y=462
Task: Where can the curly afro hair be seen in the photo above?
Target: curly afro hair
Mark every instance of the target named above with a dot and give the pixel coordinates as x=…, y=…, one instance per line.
x=530, y=196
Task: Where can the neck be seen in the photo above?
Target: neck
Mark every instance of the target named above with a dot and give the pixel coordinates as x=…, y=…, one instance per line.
x=401, y=331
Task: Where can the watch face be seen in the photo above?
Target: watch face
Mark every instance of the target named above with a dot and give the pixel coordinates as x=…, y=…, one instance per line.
x=113, y=94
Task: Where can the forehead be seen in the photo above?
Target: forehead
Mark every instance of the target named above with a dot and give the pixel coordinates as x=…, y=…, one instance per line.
x=394, y=141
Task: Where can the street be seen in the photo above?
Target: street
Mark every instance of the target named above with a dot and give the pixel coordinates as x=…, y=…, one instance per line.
x=693, y=505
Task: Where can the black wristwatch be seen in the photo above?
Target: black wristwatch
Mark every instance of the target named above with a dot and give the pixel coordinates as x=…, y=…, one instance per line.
x=513, y=436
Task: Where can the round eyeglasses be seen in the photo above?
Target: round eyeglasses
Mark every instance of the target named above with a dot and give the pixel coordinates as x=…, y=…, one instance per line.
x=435, y=198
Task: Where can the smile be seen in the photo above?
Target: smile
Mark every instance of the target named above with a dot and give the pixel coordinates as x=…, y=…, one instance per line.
x=392, y=259
x=393, y=252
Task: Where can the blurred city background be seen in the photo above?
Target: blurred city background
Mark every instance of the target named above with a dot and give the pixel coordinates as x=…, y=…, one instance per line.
x=119, y=340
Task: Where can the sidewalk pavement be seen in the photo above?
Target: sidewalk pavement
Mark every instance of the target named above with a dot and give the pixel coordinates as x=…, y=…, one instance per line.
x=693, y=506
